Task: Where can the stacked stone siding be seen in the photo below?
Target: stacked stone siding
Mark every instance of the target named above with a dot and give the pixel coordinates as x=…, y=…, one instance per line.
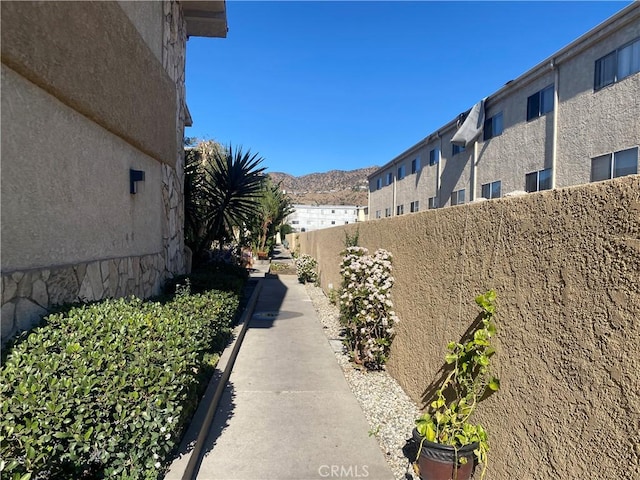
x=173, y=59
x=27, y=295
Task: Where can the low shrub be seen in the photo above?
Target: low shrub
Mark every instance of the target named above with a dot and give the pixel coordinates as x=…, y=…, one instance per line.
x=306, y=267
x=107, y=389
x=214, y=276
x=366, y=310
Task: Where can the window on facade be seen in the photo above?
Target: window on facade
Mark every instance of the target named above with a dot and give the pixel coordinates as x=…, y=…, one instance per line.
x=618, y=164
x=492, y=190
x=540, y=103
x=379, y=183
x=387, y=212
x=399, y=209
x=415, y=206
x=295, y=222
x=457, y=197
x=434, y=156
x=378, y=213
x=333, y=222
x=433, y=203
x=536, y=181
x=617, y=65
x=389, y=178
x=492, y=126
x=456, y=149
x=415, y=165
x=400, y=172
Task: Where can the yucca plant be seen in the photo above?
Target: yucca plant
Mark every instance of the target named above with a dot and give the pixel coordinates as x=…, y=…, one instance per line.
x=222, y=188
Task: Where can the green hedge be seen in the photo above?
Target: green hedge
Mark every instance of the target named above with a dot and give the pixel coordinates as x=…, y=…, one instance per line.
x=107, y=389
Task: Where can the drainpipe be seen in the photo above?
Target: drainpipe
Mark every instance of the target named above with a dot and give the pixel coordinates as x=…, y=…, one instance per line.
x=395, y=193
x=554, y=139
x=474, y=181
x=438, y=168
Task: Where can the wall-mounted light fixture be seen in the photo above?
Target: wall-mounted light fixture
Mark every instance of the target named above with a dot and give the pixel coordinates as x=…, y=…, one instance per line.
x=135, y=176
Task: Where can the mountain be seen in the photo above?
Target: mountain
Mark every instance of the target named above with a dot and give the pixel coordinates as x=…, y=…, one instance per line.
x=336, y=187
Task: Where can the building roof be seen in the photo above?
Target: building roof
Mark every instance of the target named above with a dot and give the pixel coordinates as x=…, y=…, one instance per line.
x=205, y=18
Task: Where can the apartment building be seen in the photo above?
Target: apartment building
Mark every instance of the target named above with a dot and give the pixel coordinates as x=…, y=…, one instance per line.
x=306, y=218
x=572, y=119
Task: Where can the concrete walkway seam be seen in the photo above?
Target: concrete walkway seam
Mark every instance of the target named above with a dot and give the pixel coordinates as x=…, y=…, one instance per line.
x=226, y=364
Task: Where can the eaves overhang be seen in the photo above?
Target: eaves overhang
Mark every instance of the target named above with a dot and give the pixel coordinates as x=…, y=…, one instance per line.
x=205, y=18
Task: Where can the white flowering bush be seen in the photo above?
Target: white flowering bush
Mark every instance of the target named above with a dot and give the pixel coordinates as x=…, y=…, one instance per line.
x=366, y=310
x=306, y=269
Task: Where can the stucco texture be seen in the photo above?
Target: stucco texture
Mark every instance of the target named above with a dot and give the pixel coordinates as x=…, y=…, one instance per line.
x=566, y=268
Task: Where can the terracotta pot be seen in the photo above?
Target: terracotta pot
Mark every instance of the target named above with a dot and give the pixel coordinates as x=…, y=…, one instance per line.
x=438, y=462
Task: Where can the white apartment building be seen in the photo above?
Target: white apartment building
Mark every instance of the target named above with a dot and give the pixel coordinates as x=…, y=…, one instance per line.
x=306, y=218
x=572, y=119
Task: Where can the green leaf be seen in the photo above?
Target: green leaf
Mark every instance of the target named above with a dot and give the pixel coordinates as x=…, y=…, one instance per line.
x=494, y=384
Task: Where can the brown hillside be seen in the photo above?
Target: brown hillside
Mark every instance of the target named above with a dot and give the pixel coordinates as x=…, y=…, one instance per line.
x=336, y=187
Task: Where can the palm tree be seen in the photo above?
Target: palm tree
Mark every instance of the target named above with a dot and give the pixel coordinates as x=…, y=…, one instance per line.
x=222, y=188
x=274, y=206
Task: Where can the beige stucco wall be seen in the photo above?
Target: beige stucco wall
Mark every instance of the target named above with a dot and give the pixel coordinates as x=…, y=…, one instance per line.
x=566, y=267
x=65, y=185
x=89, y=91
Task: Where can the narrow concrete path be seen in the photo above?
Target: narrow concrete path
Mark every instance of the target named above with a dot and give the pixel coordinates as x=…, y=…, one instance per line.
x=287, y=411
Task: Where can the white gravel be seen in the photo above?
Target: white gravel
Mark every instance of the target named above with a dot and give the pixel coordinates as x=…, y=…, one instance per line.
x=388, y=409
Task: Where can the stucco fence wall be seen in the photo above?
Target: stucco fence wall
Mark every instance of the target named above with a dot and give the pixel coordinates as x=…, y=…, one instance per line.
x=566, y=268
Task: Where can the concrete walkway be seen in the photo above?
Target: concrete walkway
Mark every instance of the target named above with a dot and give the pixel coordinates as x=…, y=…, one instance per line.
x=287, y=411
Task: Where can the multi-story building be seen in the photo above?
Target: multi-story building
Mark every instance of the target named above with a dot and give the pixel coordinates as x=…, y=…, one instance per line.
x=93, y=117
x=314, y=217
x=574, y=118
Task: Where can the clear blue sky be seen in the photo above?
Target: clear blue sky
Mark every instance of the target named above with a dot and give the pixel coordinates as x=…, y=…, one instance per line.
x=315, y=86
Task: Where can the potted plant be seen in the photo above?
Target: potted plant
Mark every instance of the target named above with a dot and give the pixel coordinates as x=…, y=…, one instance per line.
x=449, y=444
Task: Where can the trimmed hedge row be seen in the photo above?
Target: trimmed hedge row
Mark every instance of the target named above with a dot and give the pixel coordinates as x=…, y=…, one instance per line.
x=106, y=389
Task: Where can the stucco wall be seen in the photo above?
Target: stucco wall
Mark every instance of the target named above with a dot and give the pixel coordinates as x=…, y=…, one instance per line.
x=80, y=107
x=65, y=185
x=566, y=267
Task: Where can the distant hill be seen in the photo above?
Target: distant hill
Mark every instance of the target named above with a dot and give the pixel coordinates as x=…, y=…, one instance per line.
x=336, y=187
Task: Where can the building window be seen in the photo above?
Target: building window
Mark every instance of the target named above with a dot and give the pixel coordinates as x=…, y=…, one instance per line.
x=399, y=209
x=492, y=126
x=378, y=213
x=540, y=103
x=457, y=197
x=379, y=183
x=456, y=149
x=415, y=165
x=618, y=164
x=387, y=212
x=433, y=203
x=333, y=222
x=389, y=178
x=536, y=181
x=400, y=172
x=617, y=65
x=492, y=190
x=434, y=156
x=295, y=222
x=415, y=206
x=346, y=222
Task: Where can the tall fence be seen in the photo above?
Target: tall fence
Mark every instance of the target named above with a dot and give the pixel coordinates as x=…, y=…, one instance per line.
x=566, y=268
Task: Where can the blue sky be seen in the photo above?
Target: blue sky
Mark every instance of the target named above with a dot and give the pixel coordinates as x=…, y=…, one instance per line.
x=314, y=86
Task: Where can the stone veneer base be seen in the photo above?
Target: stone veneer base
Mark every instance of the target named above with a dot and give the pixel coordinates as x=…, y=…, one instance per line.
x=26, y=295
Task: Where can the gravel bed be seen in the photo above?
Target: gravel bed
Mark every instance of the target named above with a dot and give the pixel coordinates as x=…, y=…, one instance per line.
x=388, y=409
